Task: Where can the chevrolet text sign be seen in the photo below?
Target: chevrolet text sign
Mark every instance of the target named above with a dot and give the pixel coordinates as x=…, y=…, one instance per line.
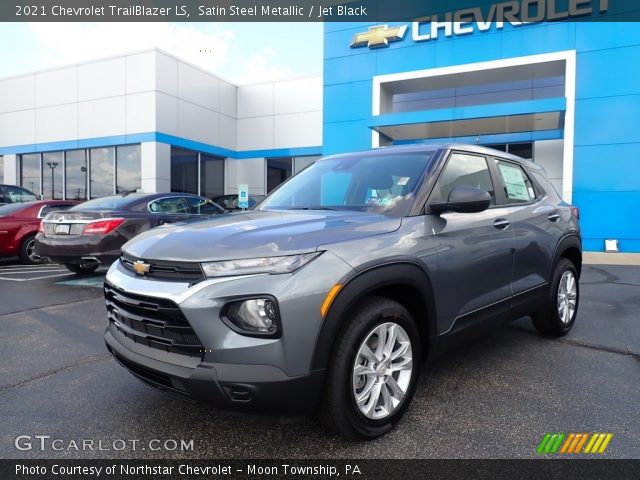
x=466, y=21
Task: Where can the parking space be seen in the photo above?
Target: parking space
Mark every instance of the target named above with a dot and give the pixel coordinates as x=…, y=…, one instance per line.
x=495, y=397
x=30, y=273
x=29, y=287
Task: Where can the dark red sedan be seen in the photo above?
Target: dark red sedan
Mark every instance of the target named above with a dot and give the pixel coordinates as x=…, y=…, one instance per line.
x=19, y=224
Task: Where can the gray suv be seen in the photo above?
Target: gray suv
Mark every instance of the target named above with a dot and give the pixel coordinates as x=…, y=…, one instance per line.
x=344, y=280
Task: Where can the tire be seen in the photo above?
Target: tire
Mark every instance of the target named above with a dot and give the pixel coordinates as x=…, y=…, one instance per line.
x=81, y=268
x=340, y=410
x=27, y=251
x=557, y=317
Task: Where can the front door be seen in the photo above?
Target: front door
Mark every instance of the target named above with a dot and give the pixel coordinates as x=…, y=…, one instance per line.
x=475, y=250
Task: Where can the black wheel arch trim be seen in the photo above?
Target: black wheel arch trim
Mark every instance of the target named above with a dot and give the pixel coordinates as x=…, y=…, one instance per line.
x=361, y=283
x=570, y=240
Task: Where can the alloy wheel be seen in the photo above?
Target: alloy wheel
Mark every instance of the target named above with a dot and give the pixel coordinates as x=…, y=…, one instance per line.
x=382, y=370
x=567, y=297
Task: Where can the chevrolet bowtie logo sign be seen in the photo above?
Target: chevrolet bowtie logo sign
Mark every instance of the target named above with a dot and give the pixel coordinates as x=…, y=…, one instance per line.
x=141, y=268
x=379, y=36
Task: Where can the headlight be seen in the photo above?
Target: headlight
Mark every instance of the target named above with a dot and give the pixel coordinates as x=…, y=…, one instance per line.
x=248, y=266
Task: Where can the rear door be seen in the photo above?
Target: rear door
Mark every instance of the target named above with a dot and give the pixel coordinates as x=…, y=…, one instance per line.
x=475, y=250
x=535, y=225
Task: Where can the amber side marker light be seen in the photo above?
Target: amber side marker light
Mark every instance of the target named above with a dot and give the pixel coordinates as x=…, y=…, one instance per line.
x=329, y=299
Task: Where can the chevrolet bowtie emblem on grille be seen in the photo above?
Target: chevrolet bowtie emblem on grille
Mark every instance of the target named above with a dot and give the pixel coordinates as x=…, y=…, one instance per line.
x=140, y=267
x=379, y=36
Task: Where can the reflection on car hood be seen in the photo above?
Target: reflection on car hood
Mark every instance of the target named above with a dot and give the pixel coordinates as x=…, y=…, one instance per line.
x=256, y=234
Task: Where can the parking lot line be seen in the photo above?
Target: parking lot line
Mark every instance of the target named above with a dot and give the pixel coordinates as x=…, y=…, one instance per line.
x=28, y=273
x=35, y=278
x=27, y=268
x=24, y=272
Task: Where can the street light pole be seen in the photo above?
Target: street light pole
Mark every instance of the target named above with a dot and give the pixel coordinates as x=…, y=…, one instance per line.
x=52, y=166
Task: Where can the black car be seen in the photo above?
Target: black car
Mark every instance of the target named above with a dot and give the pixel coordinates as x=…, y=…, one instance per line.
x=230, y=202
x=91, y=234
x=15, y=194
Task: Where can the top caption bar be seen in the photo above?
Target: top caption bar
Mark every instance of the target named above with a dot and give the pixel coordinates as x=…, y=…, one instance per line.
x=370, y=11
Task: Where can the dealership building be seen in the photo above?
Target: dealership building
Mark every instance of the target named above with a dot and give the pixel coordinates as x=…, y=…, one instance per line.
x=564, y=94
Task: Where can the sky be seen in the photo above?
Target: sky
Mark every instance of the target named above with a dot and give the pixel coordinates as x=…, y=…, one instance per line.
x=240, y=52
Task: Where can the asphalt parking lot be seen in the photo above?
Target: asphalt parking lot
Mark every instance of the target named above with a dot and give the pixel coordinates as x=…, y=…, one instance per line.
x=493, y=398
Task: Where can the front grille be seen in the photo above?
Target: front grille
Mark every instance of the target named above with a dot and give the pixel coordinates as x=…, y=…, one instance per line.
x=186, y=271
x=153, y=322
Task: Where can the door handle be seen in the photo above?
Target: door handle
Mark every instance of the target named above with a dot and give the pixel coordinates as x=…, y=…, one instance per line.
x=501, y=224
x=554, y=217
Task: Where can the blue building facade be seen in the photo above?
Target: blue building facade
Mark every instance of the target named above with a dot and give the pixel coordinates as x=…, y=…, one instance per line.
x=566, y=94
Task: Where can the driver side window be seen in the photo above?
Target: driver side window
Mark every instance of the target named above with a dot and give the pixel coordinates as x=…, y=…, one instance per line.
x=467, y=171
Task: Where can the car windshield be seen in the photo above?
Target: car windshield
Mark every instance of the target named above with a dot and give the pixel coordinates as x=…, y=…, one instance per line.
x=117, y=202
x=380, y=183
x=11, y=208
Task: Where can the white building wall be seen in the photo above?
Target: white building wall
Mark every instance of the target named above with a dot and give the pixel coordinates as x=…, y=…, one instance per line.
x=155, y=167
x=251, y=171
x=153, y=91
x=549, y=155
x=282, y=114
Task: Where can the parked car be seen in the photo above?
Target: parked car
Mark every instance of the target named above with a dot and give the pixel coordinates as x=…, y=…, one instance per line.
x=230, y=202
x=19, y=224
x=334, y=290
x=91, y=234
x=14, y=194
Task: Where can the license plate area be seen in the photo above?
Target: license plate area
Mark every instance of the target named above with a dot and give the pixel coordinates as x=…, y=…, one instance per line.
x=62, y=229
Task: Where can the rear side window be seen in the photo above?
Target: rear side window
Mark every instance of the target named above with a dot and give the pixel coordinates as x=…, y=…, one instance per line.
x=517, y=186
x=464, y=170
x=17, y=194
x=169, y=205
x=202, y=206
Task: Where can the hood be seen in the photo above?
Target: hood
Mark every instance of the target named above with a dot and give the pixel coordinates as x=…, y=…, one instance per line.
x=256, y=234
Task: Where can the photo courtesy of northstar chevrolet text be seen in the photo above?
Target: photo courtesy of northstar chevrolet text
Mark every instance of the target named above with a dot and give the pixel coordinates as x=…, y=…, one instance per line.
x=368, y=238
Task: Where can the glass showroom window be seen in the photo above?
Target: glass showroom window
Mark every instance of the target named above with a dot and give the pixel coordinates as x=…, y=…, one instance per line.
x=128, y=176
x=76, y=175
x=30, y=172
x=52, y=166
x=211, y=176
x=278, y=170
x=184, y=171
x=300, y=163
x=102, y=170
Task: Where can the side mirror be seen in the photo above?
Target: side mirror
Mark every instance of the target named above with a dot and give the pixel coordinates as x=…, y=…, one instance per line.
x=463, y=200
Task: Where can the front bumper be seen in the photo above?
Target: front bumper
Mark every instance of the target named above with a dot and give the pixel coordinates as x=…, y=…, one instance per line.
x=233, y=371
x=261, y=388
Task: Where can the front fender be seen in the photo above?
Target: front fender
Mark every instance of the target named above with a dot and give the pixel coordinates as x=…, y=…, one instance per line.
x=360, y=284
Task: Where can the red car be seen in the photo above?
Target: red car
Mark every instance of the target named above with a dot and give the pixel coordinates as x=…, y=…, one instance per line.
x=19, y=224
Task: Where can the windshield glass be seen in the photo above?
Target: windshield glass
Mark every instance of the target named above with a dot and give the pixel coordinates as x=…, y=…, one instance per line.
x=363, y=182
x=11, y=208
x=117, y=202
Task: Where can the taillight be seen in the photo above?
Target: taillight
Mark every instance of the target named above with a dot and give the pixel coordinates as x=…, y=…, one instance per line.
x=575, y=212
x=102, y=227
x=41, y=228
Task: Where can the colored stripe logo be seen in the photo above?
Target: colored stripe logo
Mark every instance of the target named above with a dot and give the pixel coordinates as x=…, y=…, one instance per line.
x=574, y=443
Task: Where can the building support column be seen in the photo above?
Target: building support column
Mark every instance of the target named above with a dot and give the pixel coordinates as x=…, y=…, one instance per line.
x=11, y=170
x=155, y=167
